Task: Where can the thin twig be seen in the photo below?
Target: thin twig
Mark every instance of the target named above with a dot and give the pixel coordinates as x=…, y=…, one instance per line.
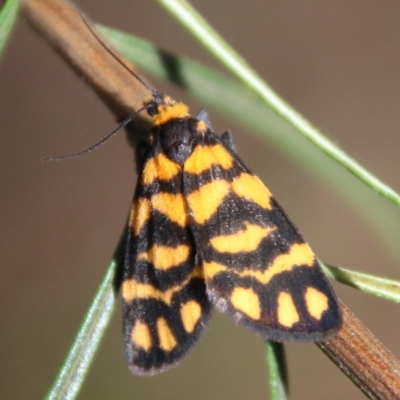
x=61, y=24
x=364, y=359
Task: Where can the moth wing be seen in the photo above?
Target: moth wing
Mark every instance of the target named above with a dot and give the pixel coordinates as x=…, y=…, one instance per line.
x=257, y=267
x=165, y=307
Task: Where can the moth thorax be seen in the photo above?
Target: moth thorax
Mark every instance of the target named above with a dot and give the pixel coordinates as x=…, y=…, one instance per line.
x=170, y=111
x=177, y=138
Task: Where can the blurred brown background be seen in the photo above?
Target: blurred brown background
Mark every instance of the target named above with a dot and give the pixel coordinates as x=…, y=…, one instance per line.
x=337, y=62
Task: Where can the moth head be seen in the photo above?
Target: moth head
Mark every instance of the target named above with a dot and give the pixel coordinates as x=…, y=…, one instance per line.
x=163, y=108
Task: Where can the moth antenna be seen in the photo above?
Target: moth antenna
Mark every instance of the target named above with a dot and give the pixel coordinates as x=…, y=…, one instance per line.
x=113, y=55
x=126, y=120
x=98, y=144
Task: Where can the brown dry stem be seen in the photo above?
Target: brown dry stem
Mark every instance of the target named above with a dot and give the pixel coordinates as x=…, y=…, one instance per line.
x=364, y=359
x=60, y=23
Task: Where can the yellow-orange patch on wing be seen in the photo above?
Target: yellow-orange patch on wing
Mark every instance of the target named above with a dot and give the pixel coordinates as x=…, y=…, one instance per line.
x=171, y=205
x=135, y=290
x=201, y=127
x=251, y=188
x=165, y=335
x=316, y=302
x=299, y=255
x=165, y=257
x=212, y=268
x=141, y=336
x=204, y=201
x=140, y=214
x=132, y=290
x=204, y=157
x=197, y=273
x=247, y=239
x=287, y=313
x=246, y=301
x=190, y=315
x=159, y=167
x=170, y=111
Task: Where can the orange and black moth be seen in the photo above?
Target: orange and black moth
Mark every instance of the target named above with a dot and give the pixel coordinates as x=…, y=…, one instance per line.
x=204, y=231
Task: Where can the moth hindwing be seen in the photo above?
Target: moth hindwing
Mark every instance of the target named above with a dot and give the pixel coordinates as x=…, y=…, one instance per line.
x=205, y=230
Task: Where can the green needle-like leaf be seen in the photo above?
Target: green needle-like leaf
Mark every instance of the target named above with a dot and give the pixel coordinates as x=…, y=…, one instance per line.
x=86, y=343
x=8, y=18
x=388, y=289
x=242, y=105
x=189, y=18
x=277, y=372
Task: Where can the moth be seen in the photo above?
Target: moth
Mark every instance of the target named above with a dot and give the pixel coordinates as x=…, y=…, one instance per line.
x=204, y=231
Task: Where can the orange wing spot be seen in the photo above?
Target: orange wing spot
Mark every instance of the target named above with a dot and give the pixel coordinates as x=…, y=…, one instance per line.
x=287, y=313
x=140, y=214
x=190, y=314
x=204, y=157
x=134, y=290
x=251, y=188
x=173, y=206
x=165, y=257
x=212, y=268
x=316, y=302
x=246, y=301
x=299, y=255
x=159, y=167
x=247, y=239
x=197, y=273
x=201, y=127
x=141, y=336
x=167, y=338
x=170, y=111
x=204, y=202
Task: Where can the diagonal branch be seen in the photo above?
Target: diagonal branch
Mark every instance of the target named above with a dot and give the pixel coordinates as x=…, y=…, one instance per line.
x=364, y=359
x=60, y=23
